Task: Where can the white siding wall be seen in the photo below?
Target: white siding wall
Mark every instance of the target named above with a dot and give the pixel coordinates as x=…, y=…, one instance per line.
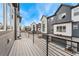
x=68, y=29
x=74, y=10
x=44, y=21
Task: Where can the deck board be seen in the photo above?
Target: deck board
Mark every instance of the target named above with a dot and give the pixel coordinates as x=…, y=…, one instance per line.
x=25, y=47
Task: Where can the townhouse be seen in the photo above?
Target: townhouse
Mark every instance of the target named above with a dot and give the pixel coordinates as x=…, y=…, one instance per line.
x=38, y=28
x=75, y=25
x=63, y=26
x=46, y=25
x=66, y=24
x=33, y=26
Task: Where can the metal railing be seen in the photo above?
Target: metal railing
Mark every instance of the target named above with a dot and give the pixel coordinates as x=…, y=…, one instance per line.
x=69, y=49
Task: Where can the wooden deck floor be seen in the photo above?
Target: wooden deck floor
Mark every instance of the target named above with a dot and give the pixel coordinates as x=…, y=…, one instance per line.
x=25, y=47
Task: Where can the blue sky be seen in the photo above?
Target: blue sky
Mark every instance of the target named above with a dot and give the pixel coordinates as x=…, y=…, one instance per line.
x=1, y=13
x=33, y=11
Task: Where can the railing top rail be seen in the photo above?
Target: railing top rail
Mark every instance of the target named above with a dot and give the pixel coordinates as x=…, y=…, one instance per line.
x=62, y=37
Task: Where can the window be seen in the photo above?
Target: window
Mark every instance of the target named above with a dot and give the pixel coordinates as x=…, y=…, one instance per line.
x=76, y=13
x=62, y=16
x=43, y=27
x=57, y=29
x=75, y=26
x=64, y=28
x=33, y=27
x=61, y=28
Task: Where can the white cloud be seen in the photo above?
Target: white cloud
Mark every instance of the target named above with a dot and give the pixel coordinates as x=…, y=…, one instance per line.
x=23, y=13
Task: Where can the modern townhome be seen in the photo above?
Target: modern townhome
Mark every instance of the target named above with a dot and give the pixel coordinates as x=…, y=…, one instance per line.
x=62, y=25
x=66, y=24
x=75, y=25
x=33, y=26
x=46, y=24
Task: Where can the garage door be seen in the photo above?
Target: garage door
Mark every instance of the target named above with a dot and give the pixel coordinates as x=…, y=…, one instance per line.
x=59, y=42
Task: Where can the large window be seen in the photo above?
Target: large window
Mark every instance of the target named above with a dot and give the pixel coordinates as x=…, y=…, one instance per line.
x=33, y=27
x=57, y=28
x=61, y=28
x=43, y=27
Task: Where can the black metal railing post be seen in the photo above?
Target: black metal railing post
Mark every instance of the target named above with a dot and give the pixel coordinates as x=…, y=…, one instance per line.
x=33, y=36
x=28, y=34
x=47, y=46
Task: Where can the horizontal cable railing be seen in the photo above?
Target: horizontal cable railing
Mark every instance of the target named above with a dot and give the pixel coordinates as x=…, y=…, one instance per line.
x=42, y=44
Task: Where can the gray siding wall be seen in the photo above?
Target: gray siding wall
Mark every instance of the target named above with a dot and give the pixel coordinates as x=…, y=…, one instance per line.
x=49, y=26
x=63, y=9
x=6, y=42
x=75, y=31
